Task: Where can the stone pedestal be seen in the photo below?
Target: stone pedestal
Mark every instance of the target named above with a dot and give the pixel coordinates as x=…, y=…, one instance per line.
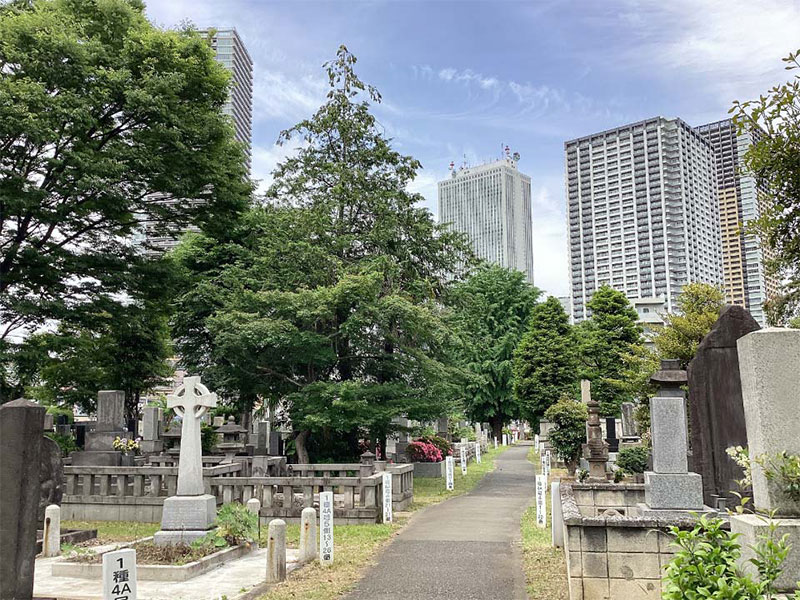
x=673, y=491
x=151, y=446
x=186, y=518
x=751, y=527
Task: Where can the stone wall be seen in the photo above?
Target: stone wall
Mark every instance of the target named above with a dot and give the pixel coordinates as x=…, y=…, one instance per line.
x=613, y=556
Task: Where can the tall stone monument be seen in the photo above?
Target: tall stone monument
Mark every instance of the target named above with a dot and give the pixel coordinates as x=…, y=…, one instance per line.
x=110, y=424
x=191, y=513
x=21, y=426
x=670, y=485
x=596, y=448
x=769, y=363
x=151, y=430
x=715, y=391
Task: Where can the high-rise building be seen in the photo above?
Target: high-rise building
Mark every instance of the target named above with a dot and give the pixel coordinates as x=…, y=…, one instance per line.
x=746, y=282
x=232, y=54
x=491, y=203
x=642, y=212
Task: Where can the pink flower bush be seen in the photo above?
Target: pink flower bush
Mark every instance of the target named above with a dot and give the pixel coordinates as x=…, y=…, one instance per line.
x=423, y=452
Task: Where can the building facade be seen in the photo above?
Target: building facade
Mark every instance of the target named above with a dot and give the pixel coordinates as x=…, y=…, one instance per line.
x=491, y=204
x=231, y=53
x=642, y=212
x=746, y=282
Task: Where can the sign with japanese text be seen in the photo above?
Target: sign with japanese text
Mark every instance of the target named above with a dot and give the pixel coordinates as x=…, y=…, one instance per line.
x=119, y=575
x=478, y=452
x=541, y=503
x=387, y=497
x=449, y=472
x=326, y=528
x=463, y=459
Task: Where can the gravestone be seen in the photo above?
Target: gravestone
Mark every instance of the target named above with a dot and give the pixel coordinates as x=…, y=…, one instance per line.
x=51, y=476
x=151, y=430
x=717, y=412
x=21, y=422
x=629, y=429
x=769, y=363
x=611, y=434
x=110, y=425
x=191, y=513
x=596, y=449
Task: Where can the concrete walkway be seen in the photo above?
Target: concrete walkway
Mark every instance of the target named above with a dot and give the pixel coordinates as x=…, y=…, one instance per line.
x=466, y=548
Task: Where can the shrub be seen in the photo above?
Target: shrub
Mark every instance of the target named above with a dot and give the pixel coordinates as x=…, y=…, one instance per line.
x=208, y=438
x=569, y=430
x=65, y=442
x=235, y=525
x=420, y=451
x=445, y=447
x=633, y=460
x=705, y=565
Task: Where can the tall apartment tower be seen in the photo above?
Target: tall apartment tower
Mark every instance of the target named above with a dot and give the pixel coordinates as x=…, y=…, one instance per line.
x=642, y=212
x=740, y=202
x=491, y=203
x=232, y=54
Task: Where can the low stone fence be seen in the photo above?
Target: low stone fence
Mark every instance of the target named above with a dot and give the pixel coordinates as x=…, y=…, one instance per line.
x=126, y=493
x=470, y=452
x=612, y=552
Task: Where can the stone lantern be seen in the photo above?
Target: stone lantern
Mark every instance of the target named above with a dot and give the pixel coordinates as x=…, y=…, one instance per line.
x=231, y=442
x=172, y=436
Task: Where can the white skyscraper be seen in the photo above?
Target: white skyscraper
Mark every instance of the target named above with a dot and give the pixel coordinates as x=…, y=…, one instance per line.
x=642, y=212
x=491, y=203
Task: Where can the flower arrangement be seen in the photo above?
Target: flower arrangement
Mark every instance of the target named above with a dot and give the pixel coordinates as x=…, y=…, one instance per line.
x=125, y=445
x=419, y=451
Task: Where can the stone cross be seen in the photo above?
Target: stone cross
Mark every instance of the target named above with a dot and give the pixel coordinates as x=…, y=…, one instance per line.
x=191, y=402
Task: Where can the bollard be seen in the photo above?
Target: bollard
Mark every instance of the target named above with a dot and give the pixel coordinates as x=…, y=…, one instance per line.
x=51, y=538
x=254, y=506
x=308, y=535
x=276, y=551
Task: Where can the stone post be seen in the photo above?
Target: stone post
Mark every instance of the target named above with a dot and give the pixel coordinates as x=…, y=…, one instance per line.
x=769, y=362
x=276, y=551
x=308, y=535
x=596, y=450
x=51, y=536
x=21, y=425
x=254, y=505
x=669, y=485
x=367, y=464
x=151, y=430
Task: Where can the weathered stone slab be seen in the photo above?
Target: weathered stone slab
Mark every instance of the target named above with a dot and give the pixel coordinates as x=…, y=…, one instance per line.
x=110, y=410
x=628, y=422
x=151, y=421
x=189, y=513
x=752, y=528
x=717, y=411
x=673, y=490
x=668, y=426
x=769, y=363
x=21, y=426
x=51, y=476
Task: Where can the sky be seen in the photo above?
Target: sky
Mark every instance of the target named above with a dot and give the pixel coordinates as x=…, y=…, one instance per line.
x=460, y=80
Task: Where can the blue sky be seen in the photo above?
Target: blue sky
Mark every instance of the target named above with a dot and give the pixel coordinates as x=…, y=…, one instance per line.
x=461, y=78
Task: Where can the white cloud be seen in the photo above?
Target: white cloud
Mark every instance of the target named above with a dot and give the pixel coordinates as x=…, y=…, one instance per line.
x=266, y=158
x=549, y=237
x=276, y=94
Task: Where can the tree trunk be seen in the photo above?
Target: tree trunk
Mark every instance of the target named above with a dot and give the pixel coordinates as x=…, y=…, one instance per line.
x=300, y=447
x=572, y=467
x=497, y=427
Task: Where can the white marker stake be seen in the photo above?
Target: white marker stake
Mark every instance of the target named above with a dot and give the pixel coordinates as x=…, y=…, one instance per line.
x=478, y=452
x=450, y=476
x=541, y=506
x=505, y=439
x=326, y=528
x=463, y=460
x=543, y=461
x=387, y=497
x=119, y=575
x=495, y=443
x=547, y=462
x=536, y=440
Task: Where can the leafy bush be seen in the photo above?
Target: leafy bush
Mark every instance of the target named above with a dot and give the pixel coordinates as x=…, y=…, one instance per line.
x=633, y=460
x=783, y=469
x=65, y=442
x=235, y=525
x=420, y=451
x=445, y=447
x=208, y=437
x=583, y=475
x=569, y=430
x=465, y=432
x=705, y=565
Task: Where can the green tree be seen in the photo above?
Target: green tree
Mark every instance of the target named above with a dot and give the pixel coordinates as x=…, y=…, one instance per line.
x=326, y=299
x=100, y=114
x=569, y=432
x=605, y=338
x=491, y=312
x=774, y=161
x=545, y=361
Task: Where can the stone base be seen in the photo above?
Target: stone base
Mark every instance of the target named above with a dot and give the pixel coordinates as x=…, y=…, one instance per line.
x=103, y=440
x=670, y=514
x=750, y=527
x=170, y=538
x=683, y=491
x=96, y=458
x=151, y=446
x=184, y=514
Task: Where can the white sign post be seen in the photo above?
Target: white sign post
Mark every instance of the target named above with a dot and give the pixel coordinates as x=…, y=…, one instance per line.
x=536, y=440
x=541, y=505
x=119, y=575
x=387, y=497
x=326, y=528
x=463, y=459
x=547, y=462
x=543, y=460
x=478, y=452
x=505, y=439
x=450, y=475
x=495, y=443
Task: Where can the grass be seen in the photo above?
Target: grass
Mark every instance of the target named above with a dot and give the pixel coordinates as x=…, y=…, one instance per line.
x=114, y=531
x=357, y=547
x=545, y=566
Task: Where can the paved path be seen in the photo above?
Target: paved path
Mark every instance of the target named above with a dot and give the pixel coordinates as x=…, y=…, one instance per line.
x=462, y=549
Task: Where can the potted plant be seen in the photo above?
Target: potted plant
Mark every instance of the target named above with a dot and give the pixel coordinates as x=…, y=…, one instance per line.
x=129, y=449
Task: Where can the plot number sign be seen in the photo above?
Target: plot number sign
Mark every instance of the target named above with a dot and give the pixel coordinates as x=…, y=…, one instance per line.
x=449, y=468
x=387, y=497
x=119, y=575
x=541, y=506
x=326, y=528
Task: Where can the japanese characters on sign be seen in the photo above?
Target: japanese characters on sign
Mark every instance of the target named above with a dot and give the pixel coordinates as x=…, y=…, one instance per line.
x=478, y=452
x=450, y=476
x=119, y=575
x=326, y=528
x=387, y=497
x=541, y=505
x=547, y=462
x=463, y=459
